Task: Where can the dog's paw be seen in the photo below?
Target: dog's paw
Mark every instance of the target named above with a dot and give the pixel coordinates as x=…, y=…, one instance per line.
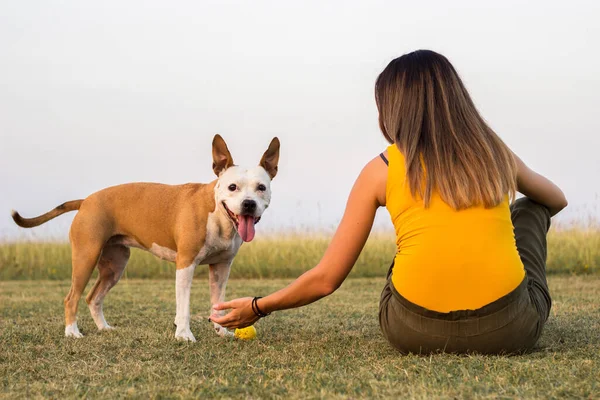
x=222, y=331
x=185, y=334
x=107, y=328
x=73, y=331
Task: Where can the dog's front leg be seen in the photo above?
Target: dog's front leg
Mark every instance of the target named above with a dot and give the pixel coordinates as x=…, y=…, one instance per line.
x=217, y=277
x=183, y=286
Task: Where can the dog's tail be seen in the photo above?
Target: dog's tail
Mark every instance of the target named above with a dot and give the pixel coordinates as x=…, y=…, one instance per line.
x=31, y=222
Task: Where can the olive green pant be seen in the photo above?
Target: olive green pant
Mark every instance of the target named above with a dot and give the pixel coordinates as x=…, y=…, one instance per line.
x=511, y=324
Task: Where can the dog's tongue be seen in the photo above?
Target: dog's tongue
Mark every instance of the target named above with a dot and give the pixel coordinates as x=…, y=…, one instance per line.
x=246, y=227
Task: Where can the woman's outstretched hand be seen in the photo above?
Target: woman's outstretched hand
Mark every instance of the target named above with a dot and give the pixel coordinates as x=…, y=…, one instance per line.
x=240, y=316
x=367, y=195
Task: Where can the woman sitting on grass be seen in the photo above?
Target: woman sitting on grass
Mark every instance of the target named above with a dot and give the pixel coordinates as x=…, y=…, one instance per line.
x=469, y=274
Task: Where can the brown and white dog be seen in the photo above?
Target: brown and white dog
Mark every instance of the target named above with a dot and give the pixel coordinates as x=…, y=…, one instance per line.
x=189, y=224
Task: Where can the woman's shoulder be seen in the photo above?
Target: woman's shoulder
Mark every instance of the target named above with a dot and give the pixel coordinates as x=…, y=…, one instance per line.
x=373, y=177
x=378, y=163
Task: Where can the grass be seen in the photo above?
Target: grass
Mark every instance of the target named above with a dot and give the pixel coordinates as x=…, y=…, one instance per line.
x=330, y=349
x=574, y=250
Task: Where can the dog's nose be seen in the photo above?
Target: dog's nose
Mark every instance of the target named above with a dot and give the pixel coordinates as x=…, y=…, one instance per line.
x=248, y=206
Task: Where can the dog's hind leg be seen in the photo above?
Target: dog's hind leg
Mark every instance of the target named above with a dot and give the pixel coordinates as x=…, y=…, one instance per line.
x=85, y=258
x=110, y=269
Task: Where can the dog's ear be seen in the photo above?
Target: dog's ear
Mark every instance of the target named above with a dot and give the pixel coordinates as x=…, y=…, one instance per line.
x=270, y=159
x=221, y=156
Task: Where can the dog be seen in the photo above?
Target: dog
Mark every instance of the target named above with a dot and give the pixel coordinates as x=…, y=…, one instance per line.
x=191, y=224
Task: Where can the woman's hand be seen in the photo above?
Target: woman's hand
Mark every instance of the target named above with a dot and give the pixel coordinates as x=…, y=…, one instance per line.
x=240, y=316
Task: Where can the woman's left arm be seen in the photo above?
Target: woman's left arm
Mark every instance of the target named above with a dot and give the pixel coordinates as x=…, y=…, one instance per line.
x=366, y=196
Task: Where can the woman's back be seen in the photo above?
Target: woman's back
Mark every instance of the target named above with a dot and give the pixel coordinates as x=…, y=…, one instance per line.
x=449, y=260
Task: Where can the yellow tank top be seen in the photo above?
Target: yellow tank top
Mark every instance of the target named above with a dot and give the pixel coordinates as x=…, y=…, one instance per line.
x=449, y=260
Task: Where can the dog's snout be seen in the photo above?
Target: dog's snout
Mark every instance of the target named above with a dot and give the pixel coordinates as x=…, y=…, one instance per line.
x=248, y=206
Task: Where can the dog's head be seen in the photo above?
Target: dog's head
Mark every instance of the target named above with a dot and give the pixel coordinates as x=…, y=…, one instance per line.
x=244, y=193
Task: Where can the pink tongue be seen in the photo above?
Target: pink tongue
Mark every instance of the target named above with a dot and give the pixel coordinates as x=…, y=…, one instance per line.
x=246, y=227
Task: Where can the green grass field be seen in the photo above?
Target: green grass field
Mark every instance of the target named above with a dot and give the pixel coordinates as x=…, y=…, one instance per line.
x=330, y=349
x=570, y=251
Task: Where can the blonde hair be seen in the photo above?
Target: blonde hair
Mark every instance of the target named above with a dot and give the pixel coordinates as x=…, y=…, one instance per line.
x=425, y=109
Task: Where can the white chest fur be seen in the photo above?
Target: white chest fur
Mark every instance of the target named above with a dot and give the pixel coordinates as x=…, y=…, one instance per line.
x=221, y=244
x=222, y=241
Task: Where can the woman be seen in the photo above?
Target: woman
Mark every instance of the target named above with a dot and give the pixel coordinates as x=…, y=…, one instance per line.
x=469, y=274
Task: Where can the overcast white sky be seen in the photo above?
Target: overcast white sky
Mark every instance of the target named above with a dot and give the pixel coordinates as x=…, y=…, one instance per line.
x=94, y=94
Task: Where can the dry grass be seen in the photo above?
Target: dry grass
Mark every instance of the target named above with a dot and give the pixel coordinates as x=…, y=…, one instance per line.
x=331, y=349
x=570, y=251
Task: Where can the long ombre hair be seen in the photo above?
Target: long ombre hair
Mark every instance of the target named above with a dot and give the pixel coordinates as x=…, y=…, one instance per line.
x=425, y=109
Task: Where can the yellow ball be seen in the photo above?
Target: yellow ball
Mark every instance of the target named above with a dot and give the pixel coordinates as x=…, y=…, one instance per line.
x=247, y=333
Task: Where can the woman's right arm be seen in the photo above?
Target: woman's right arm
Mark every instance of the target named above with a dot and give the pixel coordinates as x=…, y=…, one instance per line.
x=539, y=188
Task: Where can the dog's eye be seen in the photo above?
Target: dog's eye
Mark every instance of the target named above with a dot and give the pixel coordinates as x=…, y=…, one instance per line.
x=232, y=187
x=261, y=188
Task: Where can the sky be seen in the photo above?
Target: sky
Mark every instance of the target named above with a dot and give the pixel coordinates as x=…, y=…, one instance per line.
x=94, y=94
